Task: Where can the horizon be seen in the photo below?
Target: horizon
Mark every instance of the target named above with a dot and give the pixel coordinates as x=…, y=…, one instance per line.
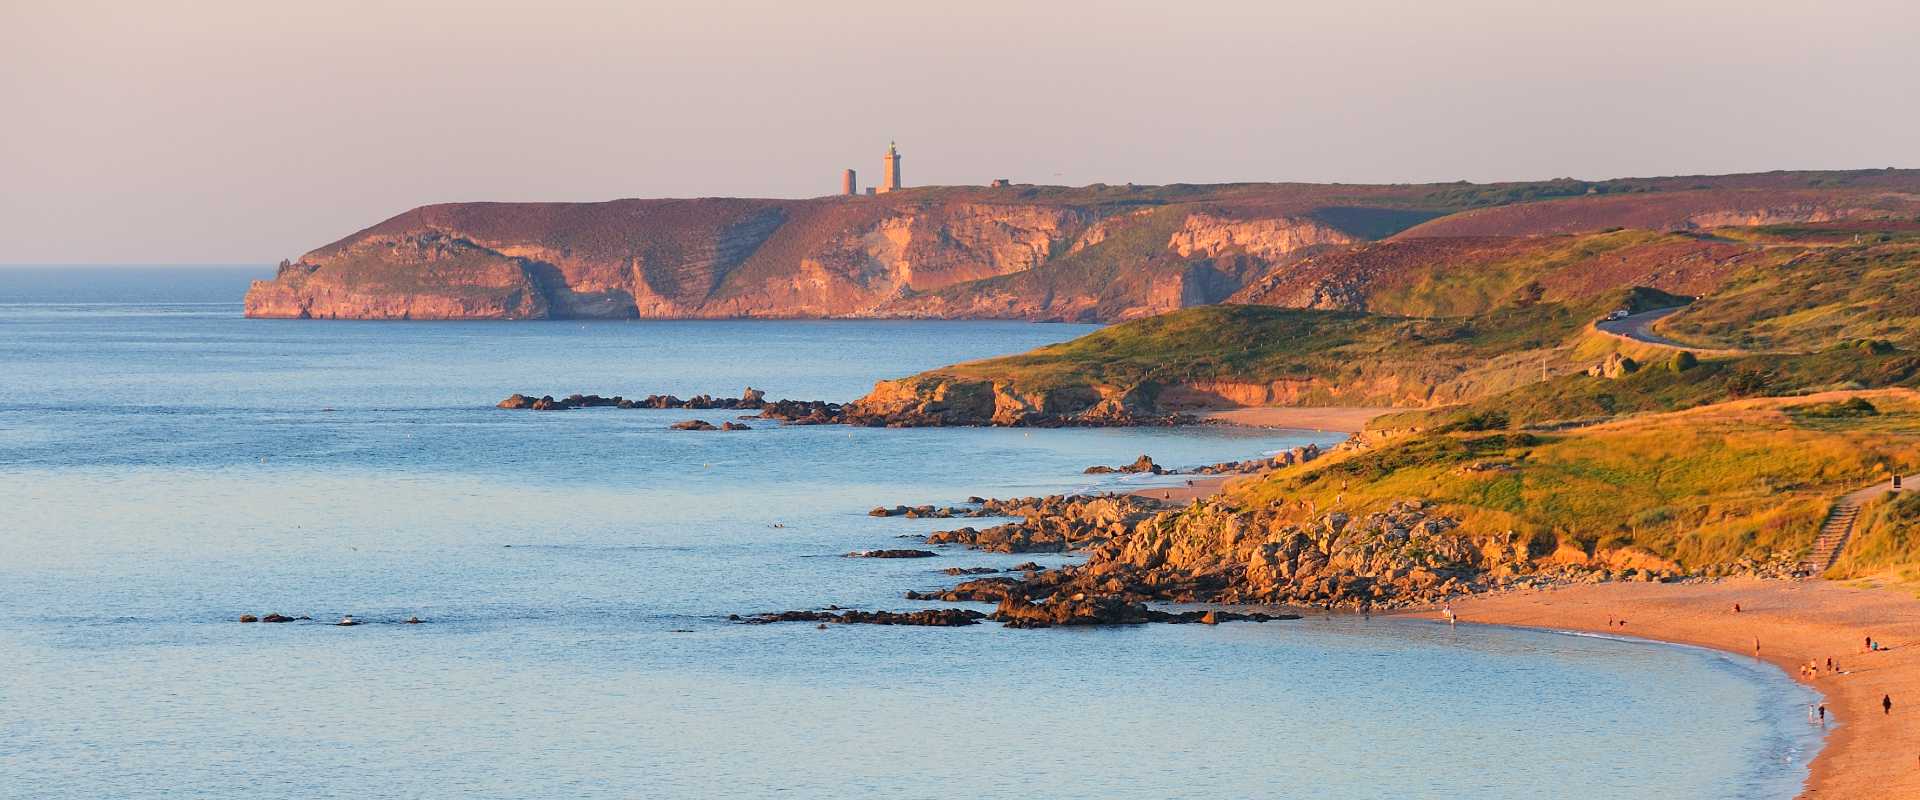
x=231, y=133
x=274, y=263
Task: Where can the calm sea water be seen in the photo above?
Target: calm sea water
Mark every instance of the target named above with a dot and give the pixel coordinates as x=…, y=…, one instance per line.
x=168, y=466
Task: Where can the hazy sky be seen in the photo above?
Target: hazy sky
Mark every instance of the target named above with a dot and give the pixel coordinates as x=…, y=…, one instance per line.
x=144, y=131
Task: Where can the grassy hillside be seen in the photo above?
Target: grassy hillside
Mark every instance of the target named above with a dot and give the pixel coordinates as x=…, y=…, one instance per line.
x=1820, y=295
x=1701, y=487
x=1668, y=383
x=1338, y=356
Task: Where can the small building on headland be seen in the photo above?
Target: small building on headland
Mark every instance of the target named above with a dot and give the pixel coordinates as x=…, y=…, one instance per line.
x=890, y=177
x=891, y=180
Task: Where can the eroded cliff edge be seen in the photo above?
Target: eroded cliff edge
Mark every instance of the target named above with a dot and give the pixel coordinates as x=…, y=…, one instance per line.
x=1098, y=253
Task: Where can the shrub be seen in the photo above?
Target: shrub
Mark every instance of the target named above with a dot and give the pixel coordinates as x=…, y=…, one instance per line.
x=1851, y=407
x=1683, y=361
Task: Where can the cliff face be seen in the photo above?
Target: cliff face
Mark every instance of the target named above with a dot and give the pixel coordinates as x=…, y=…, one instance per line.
x=1096, y=253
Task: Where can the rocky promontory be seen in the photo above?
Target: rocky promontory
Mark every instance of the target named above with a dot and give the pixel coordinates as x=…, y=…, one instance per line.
x=1094, y=253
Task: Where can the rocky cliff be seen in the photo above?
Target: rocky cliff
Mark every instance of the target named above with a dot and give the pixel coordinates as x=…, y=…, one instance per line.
x=1097, y=253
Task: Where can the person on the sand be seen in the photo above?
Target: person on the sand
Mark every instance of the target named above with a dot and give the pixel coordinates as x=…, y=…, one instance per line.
x=1886, y=704
x=1823, y=715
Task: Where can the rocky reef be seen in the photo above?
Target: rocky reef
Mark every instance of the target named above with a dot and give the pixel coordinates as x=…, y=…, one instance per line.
x=933, y=617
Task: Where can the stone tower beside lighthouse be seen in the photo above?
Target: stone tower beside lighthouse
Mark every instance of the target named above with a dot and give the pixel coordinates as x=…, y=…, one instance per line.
x=892, y=179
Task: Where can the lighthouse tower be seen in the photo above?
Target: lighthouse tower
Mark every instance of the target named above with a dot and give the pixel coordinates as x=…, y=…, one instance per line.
x=892, y=179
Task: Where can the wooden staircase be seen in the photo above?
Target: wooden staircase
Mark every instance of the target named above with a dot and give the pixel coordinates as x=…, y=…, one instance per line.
x=1832, y=539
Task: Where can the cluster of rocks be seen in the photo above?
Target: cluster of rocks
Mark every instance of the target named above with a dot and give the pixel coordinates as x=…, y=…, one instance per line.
x=703, y=425
x=969, y=571
x=1053, y=524
x=345, y=622
x=1141, y=464
x=819, y=412
x=1083, y=609
x=892, y=554
x=1139, y=551
x=933, y=512
x=806, y=412
x=273, y=618
x=935, y=617
x=1284, y=458
x=1614, y=367
x=751, y=399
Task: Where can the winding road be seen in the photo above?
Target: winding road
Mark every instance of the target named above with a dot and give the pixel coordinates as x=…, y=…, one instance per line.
x=1638, y=328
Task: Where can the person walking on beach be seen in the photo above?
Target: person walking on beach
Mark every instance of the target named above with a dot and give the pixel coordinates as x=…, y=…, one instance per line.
x=1823, y=715
x=1886, y=704
x=1756, y=647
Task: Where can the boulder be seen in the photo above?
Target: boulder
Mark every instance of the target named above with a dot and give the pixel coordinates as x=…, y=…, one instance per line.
x=693, y=425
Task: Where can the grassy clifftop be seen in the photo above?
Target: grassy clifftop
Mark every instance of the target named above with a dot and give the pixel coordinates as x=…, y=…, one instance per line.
x=1459, y=329
x=1707, y=486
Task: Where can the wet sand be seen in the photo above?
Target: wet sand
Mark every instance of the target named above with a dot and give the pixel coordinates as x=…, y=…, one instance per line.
x=1868, y=754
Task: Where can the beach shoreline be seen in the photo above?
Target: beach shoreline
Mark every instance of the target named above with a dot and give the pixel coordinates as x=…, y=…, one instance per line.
x=1338, y=419
x=1867, y=752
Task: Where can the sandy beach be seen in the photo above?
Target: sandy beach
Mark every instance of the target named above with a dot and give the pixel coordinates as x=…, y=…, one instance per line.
x=1868, y=753
x=1341, y=419
x=1196, y=487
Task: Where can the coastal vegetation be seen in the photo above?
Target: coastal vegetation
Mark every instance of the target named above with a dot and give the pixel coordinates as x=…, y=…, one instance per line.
x=1521, y=420
x=1706, y=487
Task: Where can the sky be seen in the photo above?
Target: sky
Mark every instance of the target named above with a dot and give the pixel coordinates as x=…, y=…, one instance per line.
x=246, y=131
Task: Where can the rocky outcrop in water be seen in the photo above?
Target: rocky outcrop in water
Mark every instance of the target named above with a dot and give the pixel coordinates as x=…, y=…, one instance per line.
x=751, y=399
x=1053, y=524
x=895, y=553
x=1083, y=609
x=934, y=617
x=1141, y=464
x=1214, y=552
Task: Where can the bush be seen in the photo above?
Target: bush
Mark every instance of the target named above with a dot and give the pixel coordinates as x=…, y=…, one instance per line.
x=1852, y=407
x=1683, y=361
x=1488, y=420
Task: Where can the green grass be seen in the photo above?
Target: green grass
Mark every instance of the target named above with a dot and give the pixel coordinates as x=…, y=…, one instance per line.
x=1698, y=488
x=1820, y=297
x=1337, y=356
x=1660, y=386
x=1886, y=537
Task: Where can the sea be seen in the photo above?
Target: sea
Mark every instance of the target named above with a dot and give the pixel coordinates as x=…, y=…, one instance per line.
x=167, y=466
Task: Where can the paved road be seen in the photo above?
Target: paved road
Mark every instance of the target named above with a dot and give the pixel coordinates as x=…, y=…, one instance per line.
x=1908, y=483
x=1638, y=327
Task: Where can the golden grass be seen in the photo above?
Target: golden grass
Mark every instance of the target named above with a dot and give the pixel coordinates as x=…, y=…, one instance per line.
x=1701, y=487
